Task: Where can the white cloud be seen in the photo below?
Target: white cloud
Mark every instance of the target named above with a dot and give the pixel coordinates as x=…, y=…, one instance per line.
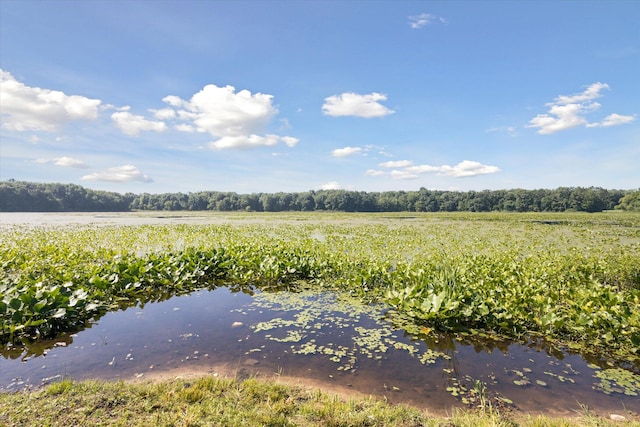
x=374, y=172
x=466, y=168
x=590, y=93
x=236, y=119
x=182, y=127
x=346, y=151
x=569, y=111
x=70, y=162
x=290, y=141
x=403, y=174
x=353, y=104
x=617, y=119
x=423, y=169
x=396, y=164
x=65, y=162
x=164, y=114
x=333, y=185
x=250, y=141
x=133, y=125
x=174, y=101
x=424, y=19
x=126, y=173
x=562, y=117
x=26, y=108
x=222, y=112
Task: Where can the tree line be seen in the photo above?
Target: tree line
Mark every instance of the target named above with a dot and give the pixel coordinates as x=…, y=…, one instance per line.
x=21, y=196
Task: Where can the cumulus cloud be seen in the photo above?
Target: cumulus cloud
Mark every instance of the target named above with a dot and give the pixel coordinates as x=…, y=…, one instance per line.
x=569, y=111
x=183, y=127
x=290, y=141
x=235, y=119
x=468, y=168
x=353, y=104
x=346, y=151
x=133, y=124
x=616, y=119
x=591, y=92
x=164, y=114
x=126, y=173
x=27, y=108
x=333, y=185
x=424, y=19
x=406, y=170
x=174, y=101
x=562, y=117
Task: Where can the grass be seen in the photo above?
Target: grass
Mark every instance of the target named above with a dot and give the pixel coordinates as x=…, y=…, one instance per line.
x=213, y=401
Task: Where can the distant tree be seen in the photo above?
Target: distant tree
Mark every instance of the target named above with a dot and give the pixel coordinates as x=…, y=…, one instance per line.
x=17, y=196
x=269, y=202
x=630, y=202
x=223, y=205
x=22, y=196
x=251, y=202
x=305, y=202
x=197, y=201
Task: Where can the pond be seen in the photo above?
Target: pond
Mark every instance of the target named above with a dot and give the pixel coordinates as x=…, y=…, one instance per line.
x=325, y=339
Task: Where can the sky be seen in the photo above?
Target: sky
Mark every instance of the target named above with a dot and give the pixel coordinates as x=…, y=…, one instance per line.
x=267, y=96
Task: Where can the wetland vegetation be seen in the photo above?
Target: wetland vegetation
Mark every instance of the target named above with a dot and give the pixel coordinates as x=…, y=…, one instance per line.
x=571, y=281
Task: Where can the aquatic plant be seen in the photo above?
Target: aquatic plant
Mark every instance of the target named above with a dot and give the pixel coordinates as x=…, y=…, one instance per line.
x=616, y=380
x=318, y=316
x=572, y=278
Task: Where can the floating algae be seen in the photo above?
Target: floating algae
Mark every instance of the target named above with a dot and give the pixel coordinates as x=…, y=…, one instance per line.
x=617, y=380
x=347, y=332
x=307, y=316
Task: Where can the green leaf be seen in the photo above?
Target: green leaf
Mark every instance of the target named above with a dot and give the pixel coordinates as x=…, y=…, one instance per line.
x=15, y=303
x=59, y=313
x=437, y=301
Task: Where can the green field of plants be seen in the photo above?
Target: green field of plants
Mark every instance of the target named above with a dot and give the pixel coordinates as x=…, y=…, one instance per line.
x=573, y=279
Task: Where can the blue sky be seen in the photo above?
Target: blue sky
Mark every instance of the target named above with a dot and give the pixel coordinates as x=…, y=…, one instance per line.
x=267, y=96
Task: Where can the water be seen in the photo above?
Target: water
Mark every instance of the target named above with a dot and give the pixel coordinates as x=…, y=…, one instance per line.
x=325, y=340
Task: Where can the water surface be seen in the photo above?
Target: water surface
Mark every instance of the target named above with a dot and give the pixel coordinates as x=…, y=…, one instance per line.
x=325, y=338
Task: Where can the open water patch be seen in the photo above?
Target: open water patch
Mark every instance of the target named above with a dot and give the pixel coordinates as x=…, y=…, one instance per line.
x=328, y=338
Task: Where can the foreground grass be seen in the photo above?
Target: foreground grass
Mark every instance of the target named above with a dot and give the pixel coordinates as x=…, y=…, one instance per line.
x=211, y=401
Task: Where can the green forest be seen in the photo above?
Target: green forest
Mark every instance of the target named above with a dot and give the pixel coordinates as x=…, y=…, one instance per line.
x=21, y=196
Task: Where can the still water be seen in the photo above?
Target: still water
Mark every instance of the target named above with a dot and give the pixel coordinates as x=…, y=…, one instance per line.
x=326, y=340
